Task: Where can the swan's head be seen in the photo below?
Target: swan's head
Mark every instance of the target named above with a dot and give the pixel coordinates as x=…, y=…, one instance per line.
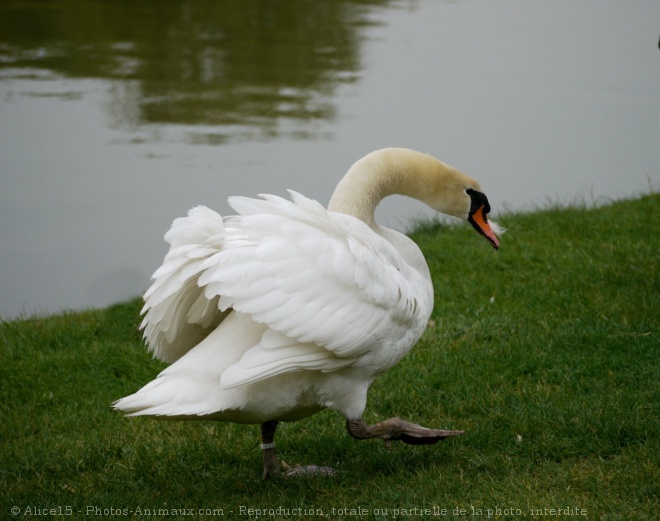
x=457, y=194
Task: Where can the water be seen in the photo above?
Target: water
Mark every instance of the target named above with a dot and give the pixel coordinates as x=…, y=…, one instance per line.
x=116, y=117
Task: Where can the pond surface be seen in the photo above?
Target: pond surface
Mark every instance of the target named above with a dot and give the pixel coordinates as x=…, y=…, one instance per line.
x=118, y=116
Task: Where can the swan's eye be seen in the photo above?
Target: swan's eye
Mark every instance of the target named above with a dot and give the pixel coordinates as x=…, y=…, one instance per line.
x=469, y=191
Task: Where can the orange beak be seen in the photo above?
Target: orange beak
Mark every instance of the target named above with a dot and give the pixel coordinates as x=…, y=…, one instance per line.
x=480, y=223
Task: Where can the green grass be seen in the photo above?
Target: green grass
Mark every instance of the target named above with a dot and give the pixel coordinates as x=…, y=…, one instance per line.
x=546, y=353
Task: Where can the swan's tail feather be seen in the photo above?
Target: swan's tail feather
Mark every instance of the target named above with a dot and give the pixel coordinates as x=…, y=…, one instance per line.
x=171, y=396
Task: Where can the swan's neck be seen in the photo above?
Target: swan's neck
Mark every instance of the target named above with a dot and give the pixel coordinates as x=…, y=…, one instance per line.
x=387, y=172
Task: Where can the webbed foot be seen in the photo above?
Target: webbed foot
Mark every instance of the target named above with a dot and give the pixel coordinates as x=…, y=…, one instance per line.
x=397, y=429
x=307, y=470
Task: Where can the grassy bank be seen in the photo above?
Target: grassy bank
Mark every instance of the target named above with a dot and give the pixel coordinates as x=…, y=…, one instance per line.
x=545, y=353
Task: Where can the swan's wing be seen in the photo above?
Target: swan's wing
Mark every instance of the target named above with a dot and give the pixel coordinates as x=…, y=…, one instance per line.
x=324, y=280
x=178, y=314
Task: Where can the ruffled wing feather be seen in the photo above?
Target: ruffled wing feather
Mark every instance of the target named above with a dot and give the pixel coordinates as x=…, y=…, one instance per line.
x=325, y=280
x=178, y=314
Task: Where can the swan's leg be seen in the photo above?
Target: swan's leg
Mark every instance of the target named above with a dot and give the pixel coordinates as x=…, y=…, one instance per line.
x=397, y=429
x=271, y=465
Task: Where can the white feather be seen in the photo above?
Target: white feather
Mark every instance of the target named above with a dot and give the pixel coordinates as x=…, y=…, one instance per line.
x=497, y=229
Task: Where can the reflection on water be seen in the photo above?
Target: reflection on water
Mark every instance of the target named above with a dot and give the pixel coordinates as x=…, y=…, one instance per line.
x=242, y=64
x=116, y=116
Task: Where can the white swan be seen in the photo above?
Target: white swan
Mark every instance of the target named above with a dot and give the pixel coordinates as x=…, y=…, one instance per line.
x=288, y=308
